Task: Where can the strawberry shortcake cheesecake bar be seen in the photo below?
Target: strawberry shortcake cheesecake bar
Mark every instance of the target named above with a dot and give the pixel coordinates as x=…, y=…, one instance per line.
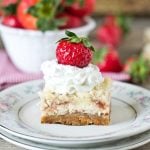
x=75, y=92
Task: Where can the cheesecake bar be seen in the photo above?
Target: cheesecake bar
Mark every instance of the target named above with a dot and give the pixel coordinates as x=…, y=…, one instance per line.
x=75, y=96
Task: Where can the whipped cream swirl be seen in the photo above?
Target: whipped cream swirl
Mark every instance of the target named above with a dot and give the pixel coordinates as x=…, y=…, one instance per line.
x=70, y=79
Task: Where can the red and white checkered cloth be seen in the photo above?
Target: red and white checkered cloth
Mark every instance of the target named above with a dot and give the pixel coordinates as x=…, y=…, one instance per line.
x=10, y=75
x=117, y=76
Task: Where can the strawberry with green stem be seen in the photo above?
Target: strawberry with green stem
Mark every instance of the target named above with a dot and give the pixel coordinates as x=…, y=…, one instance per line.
x=70, y=21
x=138, y=68
x=73, y=50
x=39, y=14
x=121, y=20
x=109, y=33
x=113, y=29
x=107, y=59
x=9, y=13
x=80, y=8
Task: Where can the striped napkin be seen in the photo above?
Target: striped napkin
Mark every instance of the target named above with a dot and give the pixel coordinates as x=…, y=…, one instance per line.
x=10, y=75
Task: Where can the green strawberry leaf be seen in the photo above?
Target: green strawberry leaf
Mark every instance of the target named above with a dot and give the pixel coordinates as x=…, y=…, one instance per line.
x=69, y=2
x=75, y=40
x=70, y=34
x=32, y=11
x=10, y=9
x=47, y=25
x=45, y=12
x=82, y=3
x=87, y=43
x=72, y=37
x=124, y=23
x=99, y=55
x=140, y=70
x=44, y=9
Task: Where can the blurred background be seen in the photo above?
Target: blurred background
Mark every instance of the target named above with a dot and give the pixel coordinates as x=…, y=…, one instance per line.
x=139, y=13
x=129, y=7
x=138, y=10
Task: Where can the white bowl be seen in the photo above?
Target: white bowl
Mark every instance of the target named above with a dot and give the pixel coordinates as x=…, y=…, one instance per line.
x=28, y=49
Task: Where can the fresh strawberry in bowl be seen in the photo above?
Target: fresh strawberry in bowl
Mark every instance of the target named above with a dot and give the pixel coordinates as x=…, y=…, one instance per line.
x=33, y=13
x=80, y=8
x=70, y=21
x=107, y=59
x=41, y=29
x=38, y=14
x=11, y=21
x=28, y=21
x=9, y=17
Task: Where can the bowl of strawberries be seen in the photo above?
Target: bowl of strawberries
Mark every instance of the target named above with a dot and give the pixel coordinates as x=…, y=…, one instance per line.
x=30, y=29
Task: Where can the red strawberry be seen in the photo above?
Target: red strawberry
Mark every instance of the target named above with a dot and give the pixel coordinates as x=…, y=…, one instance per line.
x=70, y=21
x=1, y=13
x=81, y=8
x=109, y=33
x=121, y=20
x=11, y=21
x=28, y=21
x=74, y=51
x=38, y=14
x=107, y=60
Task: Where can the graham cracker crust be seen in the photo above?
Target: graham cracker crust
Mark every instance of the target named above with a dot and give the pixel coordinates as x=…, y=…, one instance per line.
x=77, y=119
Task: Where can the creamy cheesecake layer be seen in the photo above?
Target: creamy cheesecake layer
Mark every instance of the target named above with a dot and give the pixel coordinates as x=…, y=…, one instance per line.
x=74, y=96
x=96, y=101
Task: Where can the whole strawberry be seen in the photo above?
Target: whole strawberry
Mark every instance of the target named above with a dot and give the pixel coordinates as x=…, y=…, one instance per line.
x=70, y=21
x=39, y=14
x=121, y=20
x=74, y=50
x=107, y=59
x=113, y=30
x=138, y=68
x=11, y=21
x=80, y=8
x=110, y=32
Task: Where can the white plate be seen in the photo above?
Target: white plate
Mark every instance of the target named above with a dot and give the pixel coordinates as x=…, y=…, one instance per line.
x=125, y=144
x=20, y=116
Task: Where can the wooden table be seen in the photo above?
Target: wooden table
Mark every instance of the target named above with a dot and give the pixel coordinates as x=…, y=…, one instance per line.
x=131, y=45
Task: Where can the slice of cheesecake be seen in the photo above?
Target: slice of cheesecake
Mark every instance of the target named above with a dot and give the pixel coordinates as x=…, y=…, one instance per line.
x=75, y=93
x=66, y=99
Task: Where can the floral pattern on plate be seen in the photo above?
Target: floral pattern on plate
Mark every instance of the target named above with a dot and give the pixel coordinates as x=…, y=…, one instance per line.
x=20, y=116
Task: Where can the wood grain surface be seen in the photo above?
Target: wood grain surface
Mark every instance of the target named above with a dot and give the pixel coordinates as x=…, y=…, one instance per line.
x=132, y=7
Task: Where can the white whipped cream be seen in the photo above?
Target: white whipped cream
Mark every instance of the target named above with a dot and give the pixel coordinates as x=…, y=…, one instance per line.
x=70, y=79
